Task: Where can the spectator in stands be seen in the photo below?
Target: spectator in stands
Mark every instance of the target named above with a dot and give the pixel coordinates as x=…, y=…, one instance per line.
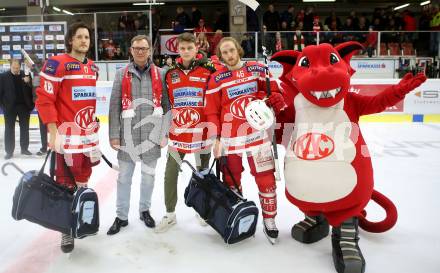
x=288, y=15
x=409, y=24
x=215, y=40
x=376, y=24
x=371, y=42
x=364, y=24
x=196, y=16
x=119, y=55
x=126, y=23
x=271, y=19
x=109, y=50
x=308, y=19
x=252, y=21
x=424, y=21
x=333, y=18
x=268, y=40
x=394, y=35
x=168, y=63
x=354, y=20
x=248, y=45
x=300, y=17
x=182, y=18
x=221, y=20
x=202, y=43
x=287, y=34
x=349, y=26
x=280, y=43
x=157, y=22
x=202, y=28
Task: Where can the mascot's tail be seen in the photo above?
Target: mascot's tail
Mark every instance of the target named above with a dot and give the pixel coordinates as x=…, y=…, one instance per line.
x=384, y=225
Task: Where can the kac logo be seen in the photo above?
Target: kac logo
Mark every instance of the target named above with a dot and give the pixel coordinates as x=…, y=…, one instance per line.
x=85, y=118
x=313, y=146
x=238, y=106
x=171, y=44
x=187, y=117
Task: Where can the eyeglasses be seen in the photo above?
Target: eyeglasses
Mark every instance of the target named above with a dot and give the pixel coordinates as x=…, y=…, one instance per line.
x=140, y=49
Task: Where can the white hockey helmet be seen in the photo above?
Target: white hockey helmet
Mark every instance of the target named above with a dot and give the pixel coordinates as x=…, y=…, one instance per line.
x=259, y=115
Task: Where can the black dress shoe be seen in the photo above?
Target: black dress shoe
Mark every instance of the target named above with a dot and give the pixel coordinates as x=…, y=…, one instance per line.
x=116, y=227
x=26, y=152
x=148, y=220
x=8, y=156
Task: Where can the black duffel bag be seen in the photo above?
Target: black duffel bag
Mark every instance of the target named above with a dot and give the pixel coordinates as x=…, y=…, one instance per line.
x=225, y=210
x=40, y=200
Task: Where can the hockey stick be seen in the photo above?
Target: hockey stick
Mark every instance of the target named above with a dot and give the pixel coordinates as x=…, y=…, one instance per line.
x=111, y=165
x=11, y=164
x=274, y=141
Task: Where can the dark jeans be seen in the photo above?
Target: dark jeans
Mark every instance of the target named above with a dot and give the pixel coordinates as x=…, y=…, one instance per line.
x=43, y=134
x=23, y=114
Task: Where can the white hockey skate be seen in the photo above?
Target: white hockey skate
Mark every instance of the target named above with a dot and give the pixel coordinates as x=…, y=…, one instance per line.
x=270, y=230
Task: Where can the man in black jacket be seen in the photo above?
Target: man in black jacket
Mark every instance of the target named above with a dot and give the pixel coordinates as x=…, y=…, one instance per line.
x=16, y=100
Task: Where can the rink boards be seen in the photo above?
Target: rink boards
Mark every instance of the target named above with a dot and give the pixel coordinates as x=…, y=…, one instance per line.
x=421, y=105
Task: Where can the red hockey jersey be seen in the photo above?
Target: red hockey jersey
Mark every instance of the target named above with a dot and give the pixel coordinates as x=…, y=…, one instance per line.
x=67, y=96
x=186, y=91
x=227, y=96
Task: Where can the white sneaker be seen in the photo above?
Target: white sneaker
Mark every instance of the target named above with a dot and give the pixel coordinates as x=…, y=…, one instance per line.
x=166, y=223
x=202, y=221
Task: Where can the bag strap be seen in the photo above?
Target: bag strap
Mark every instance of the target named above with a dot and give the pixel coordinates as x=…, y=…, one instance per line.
x=222, y=162
x=49, y=152
x=52, y=166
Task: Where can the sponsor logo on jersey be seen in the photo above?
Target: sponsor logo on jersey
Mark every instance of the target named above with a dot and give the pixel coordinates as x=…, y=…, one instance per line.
x=255, y=68
x=187, y=92
x=197, y=79
x=187, y=146
x=94, y=68
x=51, y=67
x=313, y=146
x=85, y=118
x=72, y=66
x=187, y=117
x=237, y=107
x=83, y=93
x=242, y=89
x=175, y=78
x=223, y=75
x=48, y=87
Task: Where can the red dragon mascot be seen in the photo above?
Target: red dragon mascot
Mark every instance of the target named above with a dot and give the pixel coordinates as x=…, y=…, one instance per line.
x=328, y=170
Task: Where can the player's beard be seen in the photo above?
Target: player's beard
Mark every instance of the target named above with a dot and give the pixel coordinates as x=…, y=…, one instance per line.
x=233, y=62
x=81, y=50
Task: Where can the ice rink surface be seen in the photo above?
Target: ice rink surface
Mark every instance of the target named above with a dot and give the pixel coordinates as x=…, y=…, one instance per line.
x=406, y=158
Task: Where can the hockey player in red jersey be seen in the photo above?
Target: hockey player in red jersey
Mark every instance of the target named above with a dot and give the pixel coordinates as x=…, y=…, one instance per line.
x=229, y=91
x=66, y=101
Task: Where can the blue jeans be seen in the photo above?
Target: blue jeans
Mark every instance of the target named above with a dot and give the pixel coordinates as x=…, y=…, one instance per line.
x=125, y=176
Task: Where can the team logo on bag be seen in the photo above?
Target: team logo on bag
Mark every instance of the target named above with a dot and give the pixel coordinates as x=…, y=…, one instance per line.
x=238, y=106
x=187, y=117
x=313, y=146
x=85, y=118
